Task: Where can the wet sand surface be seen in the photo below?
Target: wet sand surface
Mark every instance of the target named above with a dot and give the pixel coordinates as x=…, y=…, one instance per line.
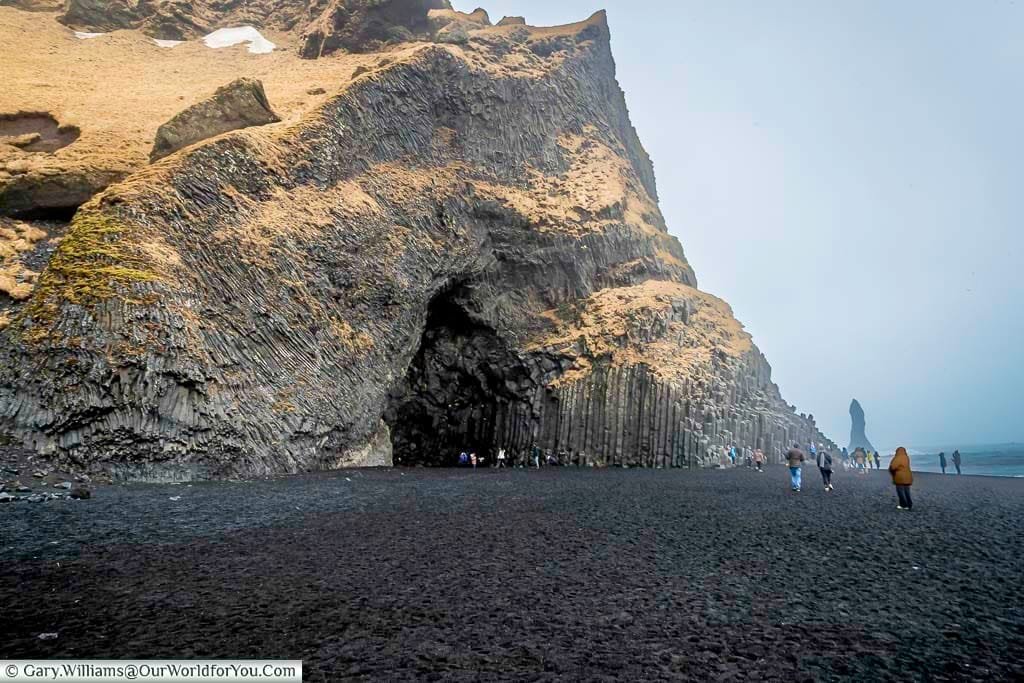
x=525, y=575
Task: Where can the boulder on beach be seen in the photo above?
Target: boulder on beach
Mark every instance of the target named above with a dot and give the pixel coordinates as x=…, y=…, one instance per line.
x=81, y=492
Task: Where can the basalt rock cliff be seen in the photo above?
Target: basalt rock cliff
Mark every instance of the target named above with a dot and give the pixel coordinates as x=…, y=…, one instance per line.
x=454, y=243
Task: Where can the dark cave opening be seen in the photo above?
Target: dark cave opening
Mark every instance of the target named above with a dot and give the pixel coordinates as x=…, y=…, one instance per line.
x=458, y=390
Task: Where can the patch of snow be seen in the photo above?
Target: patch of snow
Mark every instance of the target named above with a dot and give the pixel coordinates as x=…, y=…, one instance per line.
x=167, y=43
x=82, y=35
x=226, y=37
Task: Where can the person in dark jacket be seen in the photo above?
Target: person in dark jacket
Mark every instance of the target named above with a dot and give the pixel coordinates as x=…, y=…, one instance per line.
x=942, y=461
x=795, y=459
x=825, y=467
x=902, y=477
x=956, y=461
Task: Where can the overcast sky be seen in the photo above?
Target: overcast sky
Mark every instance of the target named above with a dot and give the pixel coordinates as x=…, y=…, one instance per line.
x=848, y=175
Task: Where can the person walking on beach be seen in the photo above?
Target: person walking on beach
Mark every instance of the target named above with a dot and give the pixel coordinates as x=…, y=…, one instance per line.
x=472, y=460
x=535, y=454
x=942, y=461
x=878, y=460
x=956, y=461
x=759, y=459
x=858, y=458
x=869, y=456
x=501, y=458
x=825, y=467
x=902, y=477
x=732, y=454
x=795, y=458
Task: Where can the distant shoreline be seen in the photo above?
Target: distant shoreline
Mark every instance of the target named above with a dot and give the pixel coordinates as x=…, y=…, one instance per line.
x=1002, y=460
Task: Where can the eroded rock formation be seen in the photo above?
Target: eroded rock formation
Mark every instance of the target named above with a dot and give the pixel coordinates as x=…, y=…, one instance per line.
x=858, y=434
x=460, y=247
x=239, y=104
x=365, y=25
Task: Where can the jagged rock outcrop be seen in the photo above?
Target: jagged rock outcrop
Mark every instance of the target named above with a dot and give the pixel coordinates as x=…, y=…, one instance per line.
x=324, y=25
x=239, y=104
x=461, y=247
x=366, y=25
x=858, y=435
x=25, y=248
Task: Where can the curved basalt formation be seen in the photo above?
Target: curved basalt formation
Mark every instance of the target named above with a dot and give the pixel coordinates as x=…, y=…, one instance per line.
x=460, y=247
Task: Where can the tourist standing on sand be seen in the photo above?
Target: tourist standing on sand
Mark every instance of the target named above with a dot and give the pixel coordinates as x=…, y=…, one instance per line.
x=535, y=454
x=795, y=458
x=759, y=459
x=942, y=461
x=472, y=460
x=825, y=467
x=956, y=461
x=501, y=458
x=878, y=460
x=902, y=477
x=858, y=460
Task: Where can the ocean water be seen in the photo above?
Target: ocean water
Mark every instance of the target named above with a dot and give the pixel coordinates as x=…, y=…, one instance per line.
x=992, y=460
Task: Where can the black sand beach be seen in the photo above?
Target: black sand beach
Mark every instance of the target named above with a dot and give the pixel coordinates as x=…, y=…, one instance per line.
x=524, y=575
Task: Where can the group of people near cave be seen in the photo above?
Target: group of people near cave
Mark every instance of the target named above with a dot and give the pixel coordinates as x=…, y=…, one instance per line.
x=535, y=457
x=862, y=460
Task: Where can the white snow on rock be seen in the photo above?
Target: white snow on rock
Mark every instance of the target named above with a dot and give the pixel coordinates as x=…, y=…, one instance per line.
x=82, y=35
x=226, y=37
x=168, y=43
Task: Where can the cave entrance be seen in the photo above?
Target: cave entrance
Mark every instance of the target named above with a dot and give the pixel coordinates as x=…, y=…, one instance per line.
x=458, y=391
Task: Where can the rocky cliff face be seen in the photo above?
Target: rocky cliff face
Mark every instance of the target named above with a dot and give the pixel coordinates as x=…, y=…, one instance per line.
x=458, y=247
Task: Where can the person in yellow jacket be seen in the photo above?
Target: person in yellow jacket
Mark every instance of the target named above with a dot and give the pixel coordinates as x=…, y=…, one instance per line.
x=902, y=477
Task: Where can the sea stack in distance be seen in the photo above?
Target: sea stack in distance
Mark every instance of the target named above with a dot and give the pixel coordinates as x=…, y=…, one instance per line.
x=858, y=435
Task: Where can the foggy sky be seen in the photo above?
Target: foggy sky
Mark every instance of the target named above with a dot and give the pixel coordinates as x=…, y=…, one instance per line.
x=847, y=175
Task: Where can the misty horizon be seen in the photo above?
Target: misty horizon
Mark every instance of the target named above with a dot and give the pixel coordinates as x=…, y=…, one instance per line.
x=845, y=177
